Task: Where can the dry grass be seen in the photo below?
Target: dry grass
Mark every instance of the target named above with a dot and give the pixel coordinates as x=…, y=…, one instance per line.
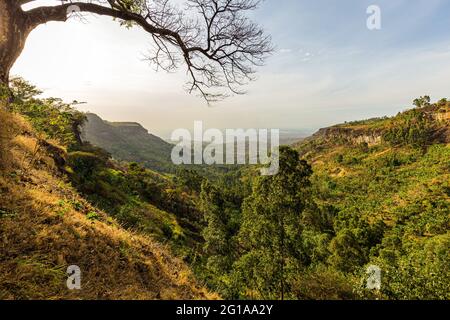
x=11, y=126
x=44, y=228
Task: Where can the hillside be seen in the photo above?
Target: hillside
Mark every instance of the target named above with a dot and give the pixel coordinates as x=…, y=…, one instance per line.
x=47, y=224
x=128, y=141
x=395, y=171
x=434, y=117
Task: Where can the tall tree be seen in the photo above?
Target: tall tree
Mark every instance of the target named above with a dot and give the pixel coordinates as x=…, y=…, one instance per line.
x=271, y=229
x=220, y=229
x=219, y=232
x=218, y=44
x=216, y=236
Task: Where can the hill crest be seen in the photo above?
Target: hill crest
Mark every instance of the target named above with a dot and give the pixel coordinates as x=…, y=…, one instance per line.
x=128, y=141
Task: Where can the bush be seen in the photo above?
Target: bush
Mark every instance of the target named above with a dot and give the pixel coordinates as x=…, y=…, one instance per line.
x=413, y=127
x=85, y=164
x=51, y=116
x=422, y=273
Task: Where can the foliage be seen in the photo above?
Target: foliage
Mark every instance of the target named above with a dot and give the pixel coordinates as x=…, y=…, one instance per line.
x=422, y=101
x=58, y=120
x=391, y=208
x=411, y=128
x=271, y=231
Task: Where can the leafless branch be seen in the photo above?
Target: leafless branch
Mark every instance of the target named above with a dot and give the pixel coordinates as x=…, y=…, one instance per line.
x=219, y=45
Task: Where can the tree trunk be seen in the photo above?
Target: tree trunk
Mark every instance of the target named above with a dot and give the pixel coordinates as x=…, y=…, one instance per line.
x=14, y=30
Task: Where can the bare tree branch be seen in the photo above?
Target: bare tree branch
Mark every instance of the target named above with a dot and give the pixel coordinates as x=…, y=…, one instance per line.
x=218, y=44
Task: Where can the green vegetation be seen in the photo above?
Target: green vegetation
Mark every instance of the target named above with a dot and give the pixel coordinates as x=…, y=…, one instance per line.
x=271, y=231
x=373, y=192
x=385, y=203
x=51, y=116
x=51, y=200
x=410, y=128
x=392, y=203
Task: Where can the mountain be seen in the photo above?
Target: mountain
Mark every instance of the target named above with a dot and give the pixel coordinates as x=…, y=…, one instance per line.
x=128, y=141
x=430, y=123
x=382, y=162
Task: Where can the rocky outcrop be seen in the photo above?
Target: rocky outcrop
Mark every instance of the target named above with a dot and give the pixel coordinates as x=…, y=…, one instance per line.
x=350, y=135
x=356, y=134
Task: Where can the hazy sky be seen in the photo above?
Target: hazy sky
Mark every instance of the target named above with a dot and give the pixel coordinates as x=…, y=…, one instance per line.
x=328, y=67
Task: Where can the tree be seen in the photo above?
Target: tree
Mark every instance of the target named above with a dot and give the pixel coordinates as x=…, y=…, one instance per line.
x=347, y=252
x=272, y=228
x=218, y=233
x=215, y=232
x=58, y=120
x=218, y=44
x=189, y=178
x=422, y=101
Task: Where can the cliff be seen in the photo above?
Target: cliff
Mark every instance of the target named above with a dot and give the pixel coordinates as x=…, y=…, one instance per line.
x=435, y=117
x=128, y=141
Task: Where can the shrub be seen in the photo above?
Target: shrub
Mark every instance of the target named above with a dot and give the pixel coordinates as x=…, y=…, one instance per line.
x=58, y=120
x=85, y=164
x=412, y=127
x=92, y=215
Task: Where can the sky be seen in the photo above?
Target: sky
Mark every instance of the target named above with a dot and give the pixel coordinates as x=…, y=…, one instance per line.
x=327, y=68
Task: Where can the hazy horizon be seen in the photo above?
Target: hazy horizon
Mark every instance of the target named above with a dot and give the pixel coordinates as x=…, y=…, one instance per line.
x=327, y=68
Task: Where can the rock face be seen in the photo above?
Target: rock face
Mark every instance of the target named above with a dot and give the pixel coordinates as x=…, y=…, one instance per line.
x=128, y=141
x=357, y=133
x=350, y=135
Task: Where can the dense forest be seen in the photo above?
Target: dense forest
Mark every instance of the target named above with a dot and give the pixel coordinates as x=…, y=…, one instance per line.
x=366, y=193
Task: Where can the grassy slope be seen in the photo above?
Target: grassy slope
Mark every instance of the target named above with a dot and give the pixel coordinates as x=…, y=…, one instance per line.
x=45, y=226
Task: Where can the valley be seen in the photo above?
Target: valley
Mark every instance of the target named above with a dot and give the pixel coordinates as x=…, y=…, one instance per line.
x=372, y=192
